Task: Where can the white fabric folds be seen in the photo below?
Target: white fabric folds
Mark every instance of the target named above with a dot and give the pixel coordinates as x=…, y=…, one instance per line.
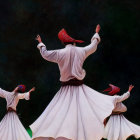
x=119, y=128
x=12, y=129
x=70, y=59
x=75, y=113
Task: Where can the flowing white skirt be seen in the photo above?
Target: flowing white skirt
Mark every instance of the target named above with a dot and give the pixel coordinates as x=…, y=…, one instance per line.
x=12, y=129
x=75, y=113
x=119, y=128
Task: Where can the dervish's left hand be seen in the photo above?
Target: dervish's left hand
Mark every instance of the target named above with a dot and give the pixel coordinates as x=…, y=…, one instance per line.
x=97, y=28
x=33, y=89
x=130, y=88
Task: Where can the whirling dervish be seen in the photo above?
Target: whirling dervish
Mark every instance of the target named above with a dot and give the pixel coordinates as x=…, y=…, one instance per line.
x=77, y=112
x=10, y=126
x=118, y=127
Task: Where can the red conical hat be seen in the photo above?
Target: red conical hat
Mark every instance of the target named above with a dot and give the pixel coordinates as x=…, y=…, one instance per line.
x=112, y=89
x=64, y=37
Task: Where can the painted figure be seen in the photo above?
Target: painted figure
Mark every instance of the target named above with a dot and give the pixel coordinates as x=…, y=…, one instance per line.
x=77, y=112
x=118, y=127
x=10, y=126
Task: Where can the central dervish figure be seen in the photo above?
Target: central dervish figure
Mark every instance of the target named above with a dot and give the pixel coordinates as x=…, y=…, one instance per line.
x=76, y=112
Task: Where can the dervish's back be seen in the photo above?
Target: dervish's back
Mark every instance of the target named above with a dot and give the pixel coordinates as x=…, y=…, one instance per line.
x=71, y=58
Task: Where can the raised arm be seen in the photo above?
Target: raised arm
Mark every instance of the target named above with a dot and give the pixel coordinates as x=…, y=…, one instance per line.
x=48, y=55
x=125, y=95
x=91, y=48
x=3, y=93
x=26, y=95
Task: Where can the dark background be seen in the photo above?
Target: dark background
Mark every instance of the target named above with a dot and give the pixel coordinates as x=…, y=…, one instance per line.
x=116, y=61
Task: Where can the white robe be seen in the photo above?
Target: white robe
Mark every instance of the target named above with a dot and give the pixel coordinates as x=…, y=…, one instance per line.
x=10, y=126
x=120, y=107
x=118, y=127
x=76, y=112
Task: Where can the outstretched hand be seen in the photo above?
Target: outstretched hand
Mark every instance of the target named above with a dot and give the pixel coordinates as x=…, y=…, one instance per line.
x=97, y=28
x=38, y=38
x=130, y=88
x=31, y=90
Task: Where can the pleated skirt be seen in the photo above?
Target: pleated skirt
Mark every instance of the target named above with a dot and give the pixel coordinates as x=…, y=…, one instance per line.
x=75, y=113
x=119, y=128
x=12, y=129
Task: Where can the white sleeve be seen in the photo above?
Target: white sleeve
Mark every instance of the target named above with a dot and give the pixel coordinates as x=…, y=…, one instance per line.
x=48, y=55
x=3, y=93
x=91, y=48
x=25, y=96
x=123, y=97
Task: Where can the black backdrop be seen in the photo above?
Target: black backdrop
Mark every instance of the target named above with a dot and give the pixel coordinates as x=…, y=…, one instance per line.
x=116, y=61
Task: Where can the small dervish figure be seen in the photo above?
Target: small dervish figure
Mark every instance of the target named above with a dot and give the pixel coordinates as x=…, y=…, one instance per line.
x=10, y=127
x=117, y=127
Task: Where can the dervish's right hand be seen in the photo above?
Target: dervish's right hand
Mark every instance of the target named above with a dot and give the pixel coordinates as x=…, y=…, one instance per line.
x=38, y=38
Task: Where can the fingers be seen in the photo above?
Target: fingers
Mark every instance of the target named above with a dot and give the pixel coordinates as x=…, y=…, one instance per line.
x=37, y=37
x=98, y=28
x=131, y=86
x=33, y=89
